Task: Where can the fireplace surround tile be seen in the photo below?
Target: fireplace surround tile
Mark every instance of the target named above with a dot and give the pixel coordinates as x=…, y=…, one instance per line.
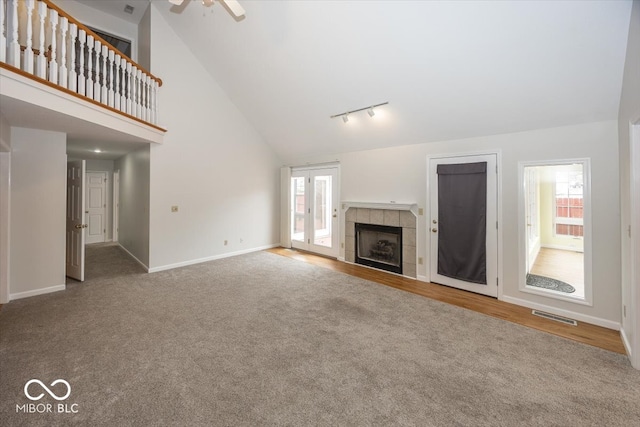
x=363, y=215
x=351, y=215
x=408, y=236
x=350, y=230
x=409, y=269
x=407, y=219
x=377, y=217
x=391, y=218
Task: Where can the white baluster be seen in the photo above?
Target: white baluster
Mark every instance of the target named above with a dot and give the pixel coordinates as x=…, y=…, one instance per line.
x=53, y=63
x=73, y=76
x=82, y=81
x=64, y=27
x=28, y=51
x=89, y=93
x=111, y=95
x=140, y=92
x=129, y=103
x=118, y=89
x=3, y=39
x=147, y=98
x=96, y=84
x=103, y=88
x=13, y=56
x=154, y=95
x=41, y=59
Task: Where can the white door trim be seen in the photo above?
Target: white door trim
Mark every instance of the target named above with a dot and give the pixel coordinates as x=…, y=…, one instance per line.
x=116, y=205
x=633, y=309
x=5, y=222
x=430, y=186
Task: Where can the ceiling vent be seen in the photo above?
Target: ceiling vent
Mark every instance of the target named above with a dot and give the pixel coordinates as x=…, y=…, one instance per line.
x=129, y=9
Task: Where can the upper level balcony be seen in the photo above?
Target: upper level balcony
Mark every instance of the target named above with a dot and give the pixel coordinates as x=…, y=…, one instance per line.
x=58, y=74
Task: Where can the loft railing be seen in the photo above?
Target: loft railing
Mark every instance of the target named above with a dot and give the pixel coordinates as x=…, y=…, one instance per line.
x=41, y=40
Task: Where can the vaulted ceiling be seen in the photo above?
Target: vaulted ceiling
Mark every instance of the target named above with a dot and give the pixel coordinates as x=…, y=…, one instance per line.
x=449, y=69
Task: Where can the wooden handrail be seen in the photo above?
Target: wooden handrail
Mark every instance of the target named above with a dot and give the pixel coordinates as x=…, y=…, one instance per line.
x=95, y=36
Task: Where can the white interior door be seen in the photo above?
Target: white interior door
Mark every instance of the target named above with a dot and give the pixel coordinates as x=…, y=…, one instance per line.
x=96, y=207
x=314, y=210
x=463, y=234
x=75, y=219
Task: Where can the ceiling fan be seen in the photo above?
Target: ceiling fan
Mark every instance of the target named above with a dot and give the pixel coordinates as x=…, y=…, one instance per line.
x=233, y=5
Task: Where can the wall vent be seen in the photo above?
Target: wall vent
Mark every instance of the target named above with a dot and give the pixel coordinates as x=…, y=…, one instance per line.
x=555, y=317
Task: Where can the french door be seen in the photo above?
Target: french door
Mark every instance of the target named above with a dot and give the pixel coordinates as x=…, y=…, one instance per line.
x=314, y=210
x=463, y=223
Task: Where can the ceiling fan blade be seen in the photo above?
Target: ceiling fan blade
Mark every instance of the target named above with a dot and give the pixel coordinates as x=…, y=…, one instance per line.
x=235, y=7
x=176, y=2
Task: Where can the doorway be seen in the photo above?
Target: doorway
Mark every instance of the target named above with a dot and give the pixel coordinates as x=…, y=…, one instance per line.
x=463, y=226
x=96, y=207
x=314, y=210
x=555, y=231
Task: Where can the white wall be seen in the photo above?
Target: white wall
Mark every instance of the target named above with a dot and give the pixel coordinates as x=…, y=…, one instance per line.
x=38, y=212
x=5, y=171
x=102, y=21
x=134, y=203
x=366, y=178
x=629, y=112
x=213, y=165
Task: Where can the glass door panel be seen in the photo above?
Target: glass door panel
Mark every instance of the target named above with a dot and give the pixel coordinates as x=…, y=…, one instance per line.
x=298, y=208
x=322, y=221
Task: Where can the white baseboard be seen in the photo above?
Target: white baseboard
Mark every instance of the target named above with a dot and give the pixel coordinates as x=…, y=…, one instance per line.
x=609, y=324
x=341, y=258
x=627, y=344
x=423, y=278
x=563, y=248
x=211, y=258
x=35, y=292
x=135, y=258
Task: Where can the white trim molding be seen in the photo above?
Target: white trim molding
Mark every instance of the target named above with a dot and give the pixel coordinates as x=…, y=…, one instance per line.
x=134, y=257
x=211, y=258
x=36, y=292
x=609, y=324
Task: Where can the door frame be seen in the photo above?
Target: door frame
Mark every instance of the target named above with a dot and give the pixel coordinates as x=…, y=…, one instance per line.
x=5, y=224
x=634, y=234
x=431, y=185
x=116, y=206
x=337, y=225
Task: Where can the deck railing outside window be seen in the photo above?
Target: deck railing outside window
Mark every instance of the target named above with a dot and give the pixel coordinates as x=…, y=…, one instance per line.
x=42, y=40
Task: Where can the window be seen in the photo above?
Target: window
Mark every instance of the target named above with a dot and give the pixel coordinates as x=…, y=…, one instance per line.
x=569, y=203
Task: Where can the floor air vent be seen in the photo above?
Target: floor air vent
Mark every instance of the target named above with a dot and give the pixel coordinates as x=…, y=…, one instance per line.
x=555, y=317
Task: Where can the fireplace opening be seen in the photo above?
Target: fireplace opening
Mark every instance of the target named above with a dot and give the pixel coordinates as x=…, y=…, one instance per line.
x=379, y=246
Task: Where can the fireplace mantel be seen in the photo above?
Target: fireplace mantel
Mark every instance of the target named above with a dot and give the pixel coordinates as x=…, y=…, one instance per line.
x=413, y=207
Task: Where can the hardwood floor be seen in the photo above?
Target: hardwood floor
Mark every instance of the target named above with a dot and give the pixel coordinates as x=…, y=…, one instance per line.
x=597, y=336
x=567, y=266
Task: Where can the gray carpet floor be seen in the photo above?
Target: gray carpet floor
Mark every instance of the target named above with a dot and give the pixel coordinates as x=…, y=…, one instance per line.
x=261, y=339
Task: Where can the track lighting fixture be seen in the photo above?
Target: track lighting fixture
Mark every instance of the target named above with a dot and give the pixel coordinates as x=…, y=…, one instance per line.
x=369, y=109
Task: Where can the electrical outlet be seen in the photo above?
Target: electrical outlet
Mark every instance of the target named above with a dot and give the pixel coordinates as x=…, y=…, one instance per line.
x=226, y=242
x=420, y=211
x=420, y=260
x=174, y=208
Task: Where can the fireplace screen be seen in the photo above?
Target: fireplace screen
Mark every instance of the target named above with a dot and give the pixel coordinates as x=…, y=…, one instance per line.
x=379, y=246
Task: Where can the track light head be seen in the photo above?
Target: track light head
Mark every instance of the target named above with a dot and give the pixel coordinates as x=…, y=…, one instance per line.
x=345, y=118
x=370, y=112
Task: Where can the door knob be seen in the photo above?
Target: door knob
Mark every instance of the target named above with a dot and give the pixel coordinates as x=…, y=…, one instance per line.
x=79, y=226
x=335, y=216
x=435, y=221
x=435, y=230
